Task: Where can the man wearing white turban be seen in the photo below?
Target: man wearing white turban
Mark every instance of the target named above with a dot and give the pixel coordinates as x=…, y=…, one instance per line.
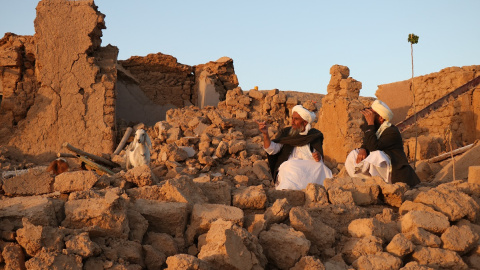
x=381, y=153
x=296, y=155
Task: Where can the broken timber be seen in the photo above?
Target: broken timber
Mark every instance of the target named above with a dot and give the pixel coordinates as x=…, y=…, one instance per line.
x=438, y=103
x=451, y=153
x=91, y=156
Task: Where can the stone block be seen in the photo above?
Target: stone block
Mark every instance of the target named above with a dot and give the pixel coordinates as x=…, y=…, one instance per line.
x=354, y=248
x=68, y=182
x=13, y=256
x=236, y=146
x=81, y=245
x=408, y=206
x=308, y=262
x=393, y=194
x=340, y=196
x=252, y=197
x=162, y=242
x=278, y=212
x=34, y=182
x=400, y=246
x=163, y=217
x=53, y=260
x=319, y=234
x=438, y=258
x=154, y=259
x=33, y=238
x=186, y=262
x=369, y=226
x=203, y=215
x=474, y=174
x=422, y=237
x=182, y=189
x=37, y=210
x=227, y=248
x=294, y=197
x=138, y=225
x=379, y=261
x=262, y=170
x=283, y=245
x=141, y=176
x=451, y=202
x=315, y=195
x=219, y=192
x=100, y=216
x=432, y=222
x=460, y=239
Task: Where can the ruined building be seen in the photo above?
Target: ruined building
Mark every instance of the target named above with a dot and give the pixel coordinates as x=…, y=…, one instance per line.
x=61, y=85
x=207, y=199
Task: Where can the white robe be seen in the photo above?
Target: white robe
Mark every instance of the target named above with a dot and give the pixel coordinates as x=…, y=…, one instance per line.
x=377, y=163
x=300, y=169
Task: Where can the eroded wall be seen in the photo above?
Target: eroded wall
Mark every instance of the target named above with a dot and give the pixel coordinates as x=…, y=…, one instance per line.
x=75, y=101
x=167, y=83
x=460, y=116
x=339, y=118
x=18, y=83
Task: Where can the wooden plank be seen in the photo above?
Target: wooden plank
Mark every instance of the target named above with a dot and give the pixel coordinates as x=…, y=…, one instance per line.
x=123, y=141
x=94, y=165
x=91, y=156
x=449, y=154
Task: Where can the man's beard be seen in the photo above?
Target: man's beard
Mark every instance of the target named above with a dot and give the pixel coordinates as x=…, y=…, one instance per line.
x=294, y=131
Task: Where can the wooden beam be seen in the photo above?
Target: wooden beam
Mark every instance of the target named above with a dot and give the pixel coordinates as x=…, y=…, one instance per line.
x=123, y=141
x=91, y=156
x=449, y=154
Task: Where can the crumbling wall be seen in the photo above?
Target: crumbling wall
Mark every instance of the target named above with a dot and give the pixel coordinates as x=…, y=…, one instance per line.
x=340, y=118
x=213, y=80
x=428, y=88
x=167, y=83
x=163, y=79
x=76, y=99
x=459, y=117
x=18, y=84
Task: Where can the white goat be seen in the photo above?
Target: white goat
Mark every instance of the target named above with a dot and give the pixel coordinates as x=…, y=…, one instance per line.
x=138, y=152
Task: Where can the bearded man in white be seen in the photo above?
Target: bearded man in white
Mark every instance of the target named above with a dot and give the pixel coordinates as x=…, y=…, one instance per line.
x=296, y=155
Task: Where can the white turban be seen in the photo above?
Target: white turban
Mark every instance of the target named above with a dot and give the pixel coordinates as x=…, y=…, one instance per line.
x=304, y=113
x=382, y=109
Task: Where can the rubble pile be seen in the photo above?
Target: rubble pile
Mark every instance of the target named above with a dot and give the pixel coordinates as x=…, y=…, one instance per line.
x=207, y=201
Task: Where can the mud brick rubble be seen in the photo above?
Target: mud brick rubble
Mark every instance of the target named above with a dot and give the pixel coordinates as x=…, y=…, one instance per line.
x=207, y=202
x=207, y=199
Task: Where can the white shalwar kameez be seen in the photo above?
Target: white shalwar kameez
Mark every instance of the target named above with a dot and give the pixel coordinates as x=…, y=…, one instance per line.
x=377, y=163
x=300, y=169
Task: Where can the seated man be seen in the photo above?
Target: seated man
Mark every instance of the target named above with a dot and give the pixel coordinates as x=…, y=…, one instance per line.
x=381, y=153
x=295, y=156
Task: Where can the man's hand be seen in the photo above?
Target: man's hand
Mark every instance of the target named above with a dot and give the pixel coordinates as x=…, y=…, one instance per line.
x=263, y=127
x=316, y=155
x=369, y=116
x=362, y=154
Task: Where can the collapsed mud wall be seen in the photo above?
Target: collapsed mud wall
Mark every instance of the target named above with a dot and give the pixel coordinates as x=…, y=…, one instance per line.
x=18, y=83
x=340, y=118
x=75, y=101
x=460, y=116
x=162, y=78
x=148, y=86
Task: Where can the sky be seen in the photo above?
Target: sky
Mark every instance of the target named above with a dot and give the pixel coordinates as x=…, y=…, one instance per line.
x=289, y=45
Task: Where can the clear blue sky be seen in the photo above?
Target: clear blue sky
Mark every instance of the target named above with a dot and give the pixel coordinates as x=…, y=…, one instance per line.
x=289, y=45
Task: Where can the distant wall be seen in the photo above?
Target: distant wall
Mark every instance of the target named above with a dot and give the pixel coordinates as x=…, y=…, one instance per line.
x=459, y=116
x=168, y=83
x=163, y=79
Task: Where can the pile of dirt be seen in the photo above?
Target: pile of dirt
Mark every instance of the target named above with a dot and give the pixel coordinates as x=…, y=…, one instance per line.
x=207, y=201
